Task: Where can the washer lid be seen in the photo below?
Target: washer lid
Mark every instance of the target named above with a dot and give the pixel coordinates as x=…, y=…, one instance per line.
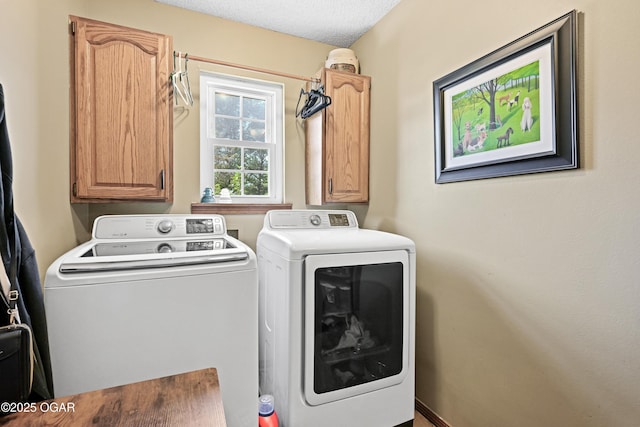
x=115, y=255
x=127, y=242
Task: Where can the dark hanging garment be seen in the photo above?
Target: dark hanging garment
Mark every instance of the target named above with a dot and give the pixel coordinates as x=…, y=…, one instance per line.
x=17, y=244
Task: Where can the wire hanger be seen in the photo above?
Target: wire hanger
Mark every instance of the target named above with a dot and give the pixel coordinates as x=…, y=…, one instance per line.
x=316, y=101
x=180, y=79
x=184, y=80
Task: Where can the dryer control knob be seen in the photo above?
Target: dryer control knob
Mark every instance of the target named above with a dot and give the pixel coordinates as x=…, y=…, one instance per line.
x=315, y=220
x=165, y=226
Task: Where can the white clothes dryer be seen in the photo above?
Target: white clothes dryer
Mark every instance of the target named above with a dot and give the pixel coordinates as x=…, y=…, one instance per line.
x=156, y=295
x=337, y=316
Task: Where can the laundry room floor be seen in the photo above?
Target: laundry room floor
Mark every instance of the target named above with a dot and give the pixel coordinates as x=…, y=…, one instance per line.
x=421, y=421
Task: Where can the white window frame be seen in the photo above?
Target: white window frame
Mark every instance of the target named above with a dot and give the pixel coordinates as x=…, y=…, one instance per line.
x=273, y=93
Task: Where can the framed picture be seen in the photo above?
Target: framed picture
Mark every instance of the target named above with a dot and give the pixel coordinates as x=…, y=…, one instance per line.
x=512, y=111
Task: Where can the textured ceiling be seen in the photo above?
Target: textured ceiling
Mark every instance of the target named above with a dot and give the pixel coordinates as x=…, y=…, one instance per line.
x=335, y=22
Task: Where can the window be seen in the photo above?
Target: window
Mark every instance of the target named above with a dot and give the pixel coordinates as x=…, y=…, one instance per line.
x=241, y=138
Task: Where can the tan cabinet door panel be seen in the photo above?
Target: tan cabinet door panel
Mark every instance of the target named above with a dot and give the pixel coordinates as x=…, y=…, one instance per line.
x=337, y=145
x=122, y=113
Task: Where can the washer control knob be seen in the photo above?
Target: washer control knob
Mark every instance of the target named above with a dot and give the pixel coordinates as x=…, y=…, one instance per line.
x=165, y=226
x=315, y=220
x=164, y=248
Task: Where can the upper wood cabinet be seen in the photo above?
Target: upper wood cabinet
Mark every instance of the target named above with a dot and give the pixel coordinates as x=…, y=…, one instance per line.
x=121, y=113
x=337, y=142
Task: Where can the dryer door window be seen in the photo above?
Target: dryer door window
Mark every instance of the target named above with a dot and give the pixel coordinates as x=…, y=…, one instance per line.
x=355, y=324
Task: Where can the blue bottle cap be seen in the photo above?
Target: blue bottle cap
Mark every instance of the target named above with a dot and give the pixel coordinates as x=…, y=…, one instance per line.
x=265, y=406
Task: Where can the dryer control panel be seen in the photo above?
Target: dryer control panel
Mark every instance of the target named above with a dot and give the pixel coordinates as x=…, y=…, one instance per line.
x=310, y=219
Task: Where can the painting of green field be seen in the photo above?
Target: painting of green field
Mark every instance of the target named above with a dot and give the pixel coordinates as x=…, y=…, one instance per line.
x=502, y=112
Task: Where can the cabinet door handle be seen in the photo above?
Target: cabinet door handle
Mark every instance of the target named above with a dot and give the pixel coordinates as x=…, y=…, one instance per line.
x=162, y=179
x=330, y=185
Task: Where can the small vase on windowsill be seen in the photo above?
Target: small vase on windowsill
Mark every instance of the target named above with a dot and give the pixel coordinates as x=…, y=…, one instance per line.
x=207, y=196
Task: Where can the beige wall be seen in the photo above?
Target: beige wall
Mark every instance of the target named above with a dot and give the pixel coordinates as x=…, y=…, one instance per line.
x=528, y=287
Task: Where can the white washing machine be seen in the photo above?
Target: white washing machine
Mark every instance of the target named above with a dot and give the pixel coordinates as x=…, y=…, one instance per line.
x=151, y=296
x=337, y=316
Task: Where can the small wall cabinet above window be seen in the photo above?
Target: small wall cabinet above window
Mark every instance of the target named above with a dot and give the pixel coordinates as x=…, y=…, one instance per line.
x=121, y=114
x=337, y=142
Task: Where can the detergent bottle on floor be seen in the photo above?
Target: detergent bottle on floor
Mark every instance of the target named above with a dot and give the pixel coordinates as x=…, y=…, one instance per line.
x=267, y=416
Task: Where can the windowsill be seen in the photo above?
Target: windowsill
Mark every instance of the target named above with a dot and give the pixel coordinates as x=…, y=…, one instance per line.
x=236, y=208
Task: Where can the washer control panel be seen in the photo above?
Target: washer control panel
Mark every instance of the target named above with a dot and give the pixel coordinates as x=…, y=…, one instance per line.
x=125, y=227
x=310, y=219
